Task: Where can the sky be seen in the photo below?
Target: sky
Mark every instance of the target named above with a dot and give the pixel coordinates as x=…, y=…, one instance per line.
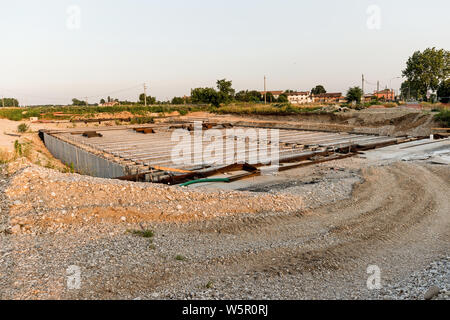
x=54, y=50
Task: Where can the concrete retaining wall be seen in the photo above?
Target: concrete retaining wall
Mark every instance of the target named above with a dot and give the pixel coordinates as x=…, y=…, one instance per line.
x=84, y=162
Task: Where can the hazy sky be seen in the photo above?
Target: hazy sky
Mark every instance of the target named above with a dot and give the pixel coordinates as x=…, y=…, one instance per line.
x=176, y=45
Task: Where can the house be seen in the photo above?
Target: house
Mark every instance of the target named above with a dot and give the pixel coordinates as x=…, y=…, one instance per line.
x=276, y=94
x=386, y=95
x=299, y=97
x=335, y=97
x=109, y=104
x=370, y=97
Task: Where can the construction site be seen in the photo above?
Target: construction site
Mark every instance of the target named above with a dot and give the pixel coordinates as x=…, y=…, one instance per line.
x=325, y=197
x=145, y=153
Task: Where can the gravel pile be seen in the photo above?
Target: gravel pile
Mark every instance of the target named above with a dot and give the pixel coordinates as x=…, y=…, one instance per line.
x=47, y=201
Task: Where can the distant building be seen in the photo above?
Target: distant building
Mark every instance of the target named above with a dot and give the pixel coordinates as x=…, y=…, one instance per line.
x=335, y=97
x=276, y=94
x=369, y=97
x=386, y=94
x=299, y=97
x=109, y=104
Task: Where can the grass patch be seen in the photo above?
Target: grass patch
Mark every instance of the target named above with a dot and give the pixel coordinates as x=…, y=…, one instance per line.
x=68, y=112
x=69, y=168
x=50, y=165
x=18, y=148
x=142, y=233
x=22, y=128
x=209, y=285
x=6, y=156
x=179, y=257
x=443, y=117
x=142, y=120
x=272, y=109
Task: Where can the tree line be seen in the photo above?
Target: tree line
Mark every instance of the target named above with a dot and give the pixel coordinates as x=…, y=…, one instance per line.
x=225, y=94
x=425, y=71
x=9, y=102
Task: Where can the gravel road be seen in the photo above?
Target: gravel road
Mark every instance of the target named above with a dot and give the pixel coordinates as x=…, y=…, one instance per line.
x=312, y=237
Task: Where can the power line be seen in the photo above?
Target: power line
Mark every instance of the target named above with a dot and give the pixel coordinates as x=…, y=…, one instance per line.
x=26, y=95
x=113, y=92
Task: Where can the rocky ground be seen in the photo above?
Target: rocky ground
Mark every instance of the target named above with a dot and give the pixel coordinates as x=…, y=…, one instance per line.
x=433, y=282
x=311, y=236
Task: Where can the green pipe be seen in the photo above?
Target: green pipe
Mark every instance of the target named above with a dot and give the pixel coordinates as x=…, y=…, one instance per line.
x=204, y=180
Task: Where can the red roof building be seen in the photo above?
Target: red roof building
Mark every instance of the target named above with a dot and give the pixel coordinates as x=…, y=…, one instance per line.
x=328, y=97
x=386, y=94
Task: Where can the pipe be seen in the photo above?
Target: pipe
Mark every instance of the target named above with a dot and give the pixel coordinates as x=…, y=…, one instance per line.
x=204, y=181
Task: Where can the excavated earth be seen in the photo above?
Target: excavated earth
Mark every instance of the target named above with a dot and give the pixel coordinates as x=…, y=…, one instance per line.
x=312, y=236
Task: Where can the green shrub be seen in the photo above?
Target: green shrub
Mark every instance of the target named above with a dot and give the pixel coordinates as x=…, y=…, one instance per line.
x=18, y=148
x=142, y=120
x=47, y=112
x=22, y=128
x=443, y=117
x=270, y=109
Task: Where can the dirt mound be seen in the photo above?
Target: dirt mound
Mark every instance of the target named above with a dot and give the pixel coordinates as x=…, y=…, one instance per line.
x=392, y=122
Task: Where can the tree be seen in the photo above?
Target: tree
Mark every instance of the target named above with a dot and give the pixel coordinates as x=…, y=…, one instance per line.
x=254, y=96
x=150, y=100
x=177, y=100
x=77, y=102
x=410, y=89
x=427, y=69
x=248, y=96
x=269, y=97
x=242, y=96
x=226, y=92
x=102, y=101
x=318, y=90
x=9, y=102
x=443, y=91
x=354, y=94
x=211, y=96
x=283, y=98
x=205, y=95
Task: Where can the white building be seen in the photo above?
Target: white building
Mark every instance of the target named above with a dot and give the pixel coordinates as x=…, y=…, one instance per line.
x=300, y=97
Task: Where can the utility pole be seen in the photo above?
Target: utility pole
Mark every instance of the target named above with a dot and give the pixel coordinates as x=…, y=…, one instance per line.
x=265, y=91
x=87, y=104
x=145, y=94
x=3, y=101
x=378, y=86
x=362, y=86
